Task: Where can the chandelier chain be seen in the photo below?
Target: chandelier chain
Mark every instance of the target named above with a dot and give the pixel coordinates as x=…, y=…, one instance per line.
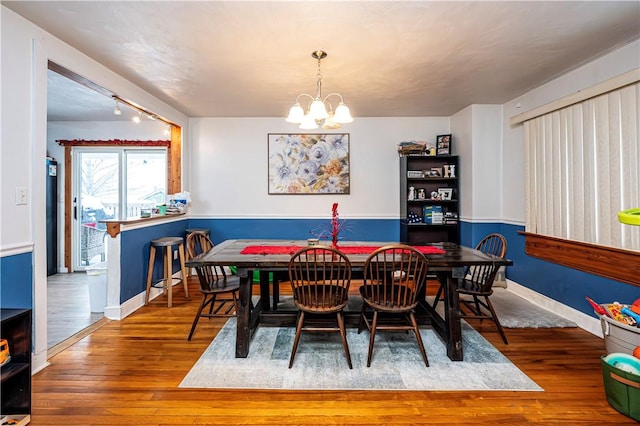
x=319, y=80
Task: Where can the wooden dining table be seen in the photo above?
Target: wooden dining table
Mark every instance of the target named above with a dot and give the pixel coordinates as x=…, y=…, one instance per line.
x=447, y=261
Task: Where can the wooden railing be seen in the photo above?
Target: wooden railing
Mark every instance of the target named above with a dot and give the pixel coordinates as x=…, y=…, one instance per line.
x=609, y=262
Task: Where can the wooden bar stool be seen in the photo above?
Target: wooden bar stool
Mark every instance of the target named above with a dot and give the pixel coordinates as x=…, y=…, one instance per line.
x=166, y=283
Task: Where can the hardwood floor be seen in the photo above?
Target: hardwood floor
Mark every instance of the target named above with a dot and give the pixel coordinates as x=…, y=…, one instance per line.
x=128, y=372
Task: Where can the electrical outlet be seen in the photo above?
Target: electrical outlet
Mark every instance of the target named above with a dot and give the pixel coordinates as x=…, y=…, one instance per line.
x=175, y=255
x=21, y=196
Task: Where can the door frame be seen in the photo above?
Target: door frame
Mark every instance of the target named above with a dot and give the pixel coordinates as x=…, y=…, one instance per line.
x=173, y=180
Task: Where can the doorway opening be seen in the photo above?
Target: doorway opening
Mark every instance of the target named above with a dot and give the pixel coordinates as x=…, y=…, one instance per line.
x=78, y=109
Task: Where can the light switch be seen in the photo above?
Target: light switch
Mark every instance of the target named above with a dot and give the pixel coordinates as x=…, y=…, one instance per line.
x=21, y=196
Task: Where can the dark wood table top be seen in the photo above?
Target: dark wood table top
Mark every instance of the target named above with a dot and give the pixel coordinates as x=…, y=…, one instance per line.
x=229, y=253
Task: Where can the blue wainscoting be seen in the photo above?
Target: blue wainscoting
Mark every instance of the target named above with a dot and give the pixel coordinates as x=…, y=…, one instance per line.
x=134, y=256
x=298, y=229
x=16, y=281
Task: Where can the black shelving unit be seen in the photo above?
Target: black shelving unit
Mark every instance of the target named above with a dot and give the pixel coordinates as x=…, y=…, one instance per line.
x=15, y=376
x=416, y=171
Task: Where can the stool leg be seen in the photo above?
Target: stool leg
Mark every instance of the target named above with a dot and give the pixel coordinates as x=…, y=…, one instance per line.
x=183, y=268
x=168, y=273
x=152, y=256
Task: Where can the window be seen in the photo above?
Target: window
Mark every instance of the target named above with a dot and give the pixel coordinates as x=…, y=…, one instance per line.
x=113, y=183
x=583, y=166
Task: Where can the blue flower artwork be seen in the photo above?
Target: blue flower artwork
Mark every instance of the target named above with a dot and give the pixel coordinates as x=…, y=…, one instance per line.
x=309, y=163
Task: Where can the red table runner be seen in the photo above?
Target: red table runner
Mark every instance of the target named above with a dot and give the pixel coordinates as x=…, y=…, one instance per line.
x=264, y=250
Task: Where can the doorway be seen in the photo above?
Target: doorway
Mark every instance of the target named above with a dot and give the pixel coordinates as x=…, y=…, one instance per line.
x=80, y=109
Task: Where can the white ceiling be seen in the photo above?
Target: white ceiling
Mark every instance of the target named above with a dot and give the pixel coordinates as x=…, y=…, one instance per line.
x=394, y=58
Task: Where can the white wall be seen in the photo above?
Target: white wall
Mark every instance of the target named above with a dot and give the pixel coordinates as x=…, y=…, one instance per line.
x=615, y=63
x=228, y=168
x=462, y=145
x=478, y=141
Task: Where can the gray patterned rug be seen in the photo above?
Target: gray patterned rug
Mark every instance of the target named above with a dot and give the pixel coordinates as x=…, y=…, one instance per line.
x=517, y=312
x=320, y=363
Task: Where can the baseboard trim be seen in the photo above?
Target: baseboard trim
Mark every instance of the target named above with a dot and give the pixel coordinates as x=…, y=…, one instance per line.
x=584, y=321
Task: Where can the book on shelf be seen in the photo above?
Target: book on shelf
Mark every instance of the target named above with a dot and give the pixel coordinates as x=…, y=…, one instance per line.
x=428, y=215
x=450, y=218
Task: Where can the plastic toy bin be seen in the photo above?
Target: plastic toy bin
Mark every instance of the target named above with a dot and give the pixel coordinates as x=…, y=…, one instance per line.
x=622, y=390
x=619, y=337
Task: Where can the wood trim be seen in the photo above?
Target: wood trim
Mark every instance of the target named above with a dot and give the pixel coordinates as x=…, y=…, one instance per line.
x=113, y=225
x=113, y=142
x=174, y=158
x=614, y=83
x=609, y=262
x=68, y=210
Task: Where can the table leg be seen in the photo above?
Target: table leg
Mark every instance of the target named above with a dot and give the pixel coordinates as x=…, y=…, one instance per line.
x=264, y=290
x=452, y=314
x=243, y=333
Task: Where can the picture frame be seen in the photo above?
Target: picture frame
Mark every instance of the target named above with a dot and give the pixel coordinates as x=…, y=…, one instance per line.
x=443, y=145
x=303, y=164
x=446, y=194
x=435, y=172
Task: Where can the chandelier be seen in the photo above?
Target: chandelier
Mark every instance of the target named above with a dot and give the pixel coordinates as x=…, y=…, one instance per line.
x=320, y=111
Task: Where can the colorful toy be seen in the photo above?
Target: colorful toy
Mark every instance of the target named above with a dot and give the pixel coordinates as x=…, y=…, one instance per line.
x=630, y=313
x=5, y=357
x=630, y=217
x=597, y=308
x=624, y=362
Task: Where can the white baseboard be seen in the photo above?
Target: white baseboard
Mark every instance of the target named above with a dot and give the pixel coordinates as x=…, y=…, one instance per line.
x=136, y=302
x=584, y=321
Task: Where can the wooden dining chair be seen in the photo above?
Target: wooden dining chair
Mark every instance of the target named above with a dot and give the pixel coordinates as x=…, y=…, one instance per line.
x=478, y=284
x=214, y=282
x=393, y=279
x=320, y=278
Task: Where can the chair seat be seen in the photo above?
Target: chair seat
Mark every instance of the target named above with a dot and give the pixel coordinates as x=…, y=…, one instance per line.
x=231, y=283
x=387, y=301
x=166, y=241
x=319, y=298
x=473, y=288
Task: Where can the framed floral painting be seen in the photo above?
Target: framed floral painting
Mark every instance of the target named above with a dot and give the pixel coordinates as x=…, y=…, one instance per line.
x=308, y=163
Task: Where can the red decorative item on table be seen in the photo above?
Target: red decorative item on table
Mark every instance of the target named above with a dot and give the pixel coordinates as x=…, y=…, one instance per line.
x=335, y=226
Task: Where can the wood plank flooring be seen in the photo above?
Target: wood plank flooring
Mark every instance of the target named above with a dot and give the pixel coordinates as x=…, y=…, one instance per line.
x=128, y=372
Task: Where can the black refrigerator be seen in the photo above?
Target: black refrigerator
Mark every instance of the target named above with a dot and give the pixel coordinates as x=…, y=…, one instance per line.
x=52, y=217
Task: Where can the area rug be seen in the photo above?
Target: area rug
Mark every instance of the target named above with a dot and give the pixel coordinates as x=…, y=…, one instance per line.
x=513, y=310
x=320, y=363
x=517, y=312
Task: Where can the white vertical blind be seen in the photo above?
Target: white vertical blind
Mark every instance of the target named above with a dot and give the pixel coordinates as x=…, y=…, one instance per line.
x=582, y=167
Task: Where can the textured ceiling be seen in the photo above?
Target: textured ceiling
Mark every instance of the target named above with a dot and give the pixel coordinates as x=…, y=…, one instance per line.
x=414, y=58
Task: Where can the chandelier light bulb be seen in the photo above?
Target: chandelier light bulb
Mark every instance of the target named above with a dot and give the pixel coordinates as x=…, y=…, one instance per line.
x=317, y=110
x=137, y=118
x=296, y=114
x=342, y=115
x=308, y=123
